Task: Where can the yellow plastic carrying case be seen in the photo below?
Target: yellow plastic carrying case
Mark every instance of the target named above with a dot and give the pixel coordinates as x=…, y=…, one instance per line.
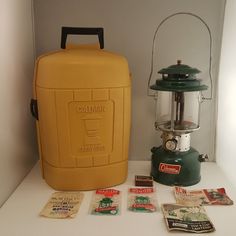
x=82, y=108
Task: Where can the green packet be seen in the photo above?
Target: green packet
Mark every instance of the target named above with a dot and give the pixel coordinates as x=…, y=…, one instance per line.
x=142, y=200
x=106, y=202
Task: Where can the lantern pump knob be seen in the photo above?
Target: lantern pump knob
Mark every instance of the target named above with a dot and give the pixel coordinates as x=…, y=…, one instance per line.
x=179, y=62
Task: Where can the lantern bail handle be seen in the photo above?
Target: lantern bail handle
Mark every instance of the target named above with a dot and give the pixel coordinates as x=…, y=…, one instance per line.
x=210, y=50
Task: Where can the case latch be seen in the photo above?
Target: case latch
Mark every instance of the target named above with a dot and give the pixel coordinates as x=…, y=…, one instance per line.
x=34, y=108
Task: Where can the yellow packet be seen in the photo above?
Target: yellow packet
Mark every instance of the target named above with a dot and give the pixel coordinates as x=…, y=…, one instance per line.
x=62, y=205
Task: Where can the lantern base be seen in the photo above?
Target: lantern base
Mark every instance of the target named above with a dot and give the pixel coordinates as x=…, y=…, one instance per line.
x=175, y=168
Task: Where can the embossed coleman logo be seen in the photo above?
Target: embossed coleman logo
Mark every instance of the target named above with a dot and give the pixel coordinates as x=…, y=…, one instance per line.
x=169, y=169
x=90, y=108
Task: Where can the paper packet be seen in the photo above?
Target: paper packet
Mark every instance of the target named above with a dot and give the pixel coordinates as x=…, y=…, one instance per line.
x=216, y=196
x=187, y=218
x=62, y=205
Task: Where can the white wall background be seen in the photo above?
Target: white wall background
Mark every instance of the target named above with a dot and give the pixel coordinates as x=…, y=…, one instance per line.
x=129, y=30
x=17, y=140
x=226, y=128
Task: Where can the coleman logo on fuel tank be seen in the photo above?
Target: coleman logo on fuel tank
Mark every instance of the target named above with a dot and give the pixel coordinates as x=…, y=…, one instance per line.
x=169, y=169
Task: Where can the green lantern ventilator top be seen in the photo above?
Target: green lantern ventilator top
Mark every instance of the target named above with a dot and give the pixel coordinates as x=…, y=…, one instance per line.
x=179, y=78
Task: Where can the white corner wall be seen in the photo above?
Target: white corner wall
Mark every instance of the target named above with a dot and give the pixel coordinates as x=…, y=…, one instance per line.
x=226, y=128
x=129, y=29
x=17, y=138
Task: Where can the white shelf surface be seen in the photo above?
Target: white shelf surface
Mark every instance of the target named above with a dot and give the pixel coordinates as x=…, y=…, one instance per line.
x=19, y=216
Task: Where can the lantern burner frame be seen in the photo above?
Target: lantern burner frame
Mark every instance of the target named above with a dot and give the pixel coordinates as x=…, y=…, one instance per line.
x=175, y=142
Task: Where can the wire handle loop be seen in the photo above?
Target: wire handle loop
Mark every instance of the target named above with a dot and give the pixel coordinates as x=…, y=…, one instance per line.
x=210, y=50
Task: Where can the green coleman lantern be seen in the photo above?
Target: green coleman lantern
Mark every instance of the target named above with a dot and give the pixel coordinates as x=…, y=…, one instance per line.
x=178, y=98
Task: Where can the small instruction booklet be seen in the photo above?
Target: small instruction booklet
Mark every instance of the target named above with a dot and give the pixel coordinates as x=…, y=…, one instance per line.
x=62, y=205
x=187, y=218
x=202, y=197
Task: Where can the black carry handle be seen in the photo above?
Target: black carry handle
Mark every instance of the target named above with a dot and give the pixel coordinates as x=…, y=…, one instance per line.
x=81, y=31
